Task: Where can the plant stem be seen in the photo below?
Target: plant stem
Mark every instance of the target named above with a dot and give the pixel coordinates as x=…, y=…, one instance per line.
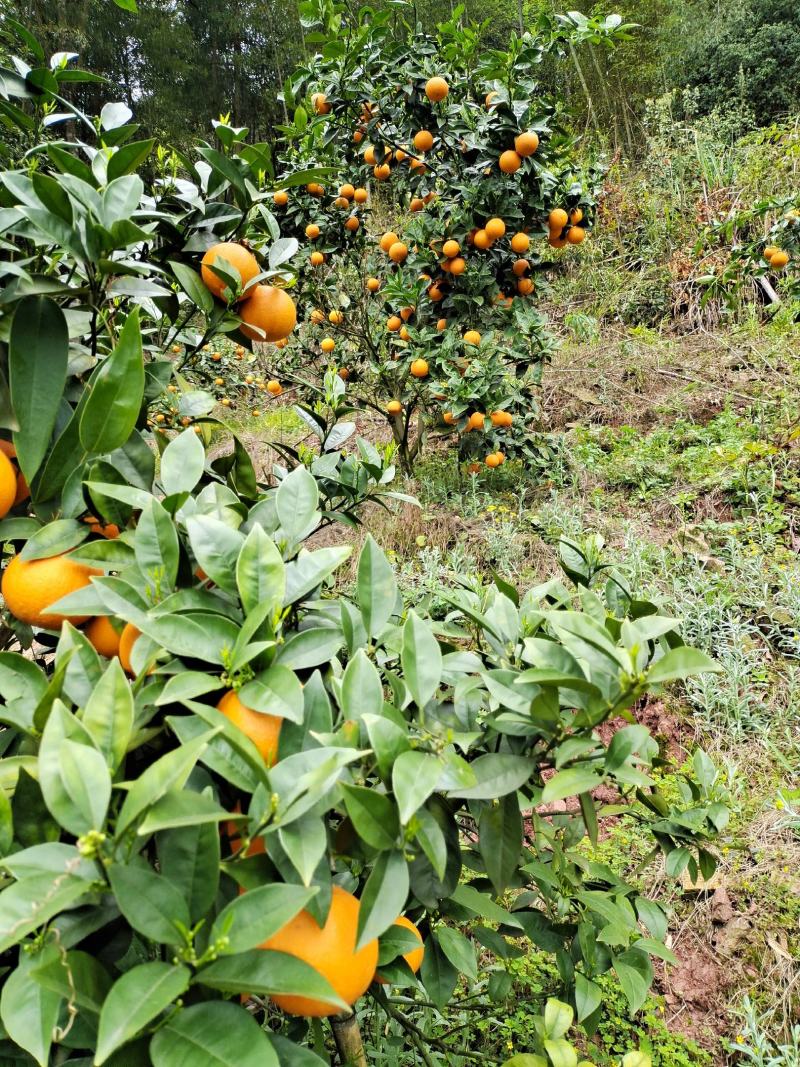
x=347, y=1035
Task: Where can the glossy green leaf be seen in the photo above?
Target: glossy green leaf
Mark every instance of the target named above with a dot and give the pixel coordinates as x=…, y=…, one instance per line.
x=214, y=1034
x=188, y=857
x=260, y=572
x=373, y=815
x=266, y=973
x=254, y=916
x=156, y=547
x=115, y=395
x=414, y=778
x=135, y=999
x=182, y=463
x=150, y=903
x=421, y=658
x=376, y=588
x=383, y=897
x=108, y=715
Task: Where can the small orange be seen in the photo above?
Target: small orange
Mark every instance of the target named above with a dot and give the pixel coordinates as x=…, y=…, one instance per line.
x=557, y=219
x=360, y=196
x=406, y=313
x=414, y=956
x=520, y=242
x=418, y=164
x=576, y=235
x=501, y=418
x=343, y=373
x=525, y=286
x=388, y=239
x=336, y=317
x=347, y=190
x=280, y=198
x=493, y=460
x=475, y=421
x=381, y=171
x=556, y=241
x=331, y=950
x=341, y=202
x=29, y=587
x=509, y=162
x=576, y=216
x=127, y=640
x=779, y=260
x=521, y=266
x=472, y=337
x=352, y=224
x=423, y=140
x=238, y=256
x=315, y=189
x=401, y=155
x=317, y=316
x=404, y=335
x=449, y=418
x=394, y=407
x=320, y=104
x=451, y=248
x=274, y=387
x=417, y=204
x=358, y=136
x=262, y=729
x=316, y=259
x=441, y=325
x=394, y=323
x=526, y=143
x=8, y=485
x=373, y=284
x=103, y=637
x=495, y=228
x=398, y=252
x=481, y=239
x=435, y=293
x=458, y=265
x=369, y=155
x=419, y=368
x=436, y=89
x=327, y=344
x=312, y=231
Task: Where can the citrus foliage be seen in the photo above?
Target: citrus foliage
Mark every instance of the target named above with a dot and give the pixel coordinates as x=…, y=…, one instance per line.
x=236, y=777
x=473, y=162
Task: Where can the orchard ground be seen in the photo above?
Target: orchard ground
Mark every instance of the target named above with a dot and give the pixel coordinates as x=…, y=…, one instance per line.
x=677, y=450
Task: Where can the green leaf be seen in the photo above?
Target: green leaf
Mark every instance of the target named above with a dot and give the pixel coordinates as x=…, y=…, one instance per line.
x=561, y=1053
x=635, y=973
x=459, y=950
x=150, y=903
x=30, y=903
x=264, y=972
x=438, y=974
x=557, y=1018
x=188, y=856
x=500, y=840
x=588, y=996
x=376, y=589
x=108, y=715
x=296, y=504
x=55, y=538
x=681, y=662
x=373, y=815
x=37, y=373
x=214, y=1034
x=182, y=463
x=314, y=647
x=216, y=547
x=156, y=546
x=384, y=896
x=304, y=841
x=181, y=807
x=276, y=691
x=362, y=690
x=192, y=284
x=134, y=1000
x=254, y=916
x=127, y=158
x=421, y=658
x=568, y=783
x=28, y=1011
x=75, y=781
x=127, y=5
x=414, y=778
x=260, y=573
x=116, y=390
x=497, y=773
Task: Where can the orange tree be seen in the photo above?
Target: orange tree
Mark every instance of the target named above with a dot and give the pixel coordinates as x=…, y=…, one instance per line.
x=476, y=180
x=223, y=776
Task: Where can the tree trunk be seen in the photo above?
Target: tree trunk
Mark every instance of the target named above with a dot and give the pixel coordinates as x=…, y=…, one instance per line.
x=347, y=1035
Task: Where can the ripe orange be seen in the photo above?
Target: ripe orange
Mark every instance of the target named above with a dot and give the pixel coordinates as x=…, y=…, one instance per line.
x=128, y=639
x=501, y=418
x=423, y=140
x=769, y=252
x=576, y=235
x=312, y=231
x=327, y=344
x=382, y=171
x=270, y=310
x=510, y=162
x=779, y=260
x=8, y=485
x=557, y=219
x=103, y=637
x=404, y=335
x=343, y=373
x=451, y=248
x=394, y=323
x=526, y=143
x=435, y=293
x=23, y=489
x=525, y=286
x=406, y=313
x=238, y=256
x=347, y=190
x=358, y=136
x=475, y=421
x=373, y=284
x=262, y=729
x=394, y=407
x=316, y=259
x=449, y=418
x=481, y=239
x=341, y=202
x=320, y=104
x=520, y=242
x=472, y=337
x=352, y=224
x=369, y=155
x=436, y=89
x=441, y=325
x=521, y=266
x=419, y=368
x=555, y=241
x=495, y=228
x=458, y=265
x=493, y=460
x=280, y=198
x=29, y=587
x=417, y=204
x=317, y=316
x=331, y=950
x=400, y=155
x=388, y=239
x=398, y=252
x=418, y=164
x=414, y=956
x=274, y=387
x=576, y=216
x=336, y=317
x=360, y=196
x=489, y=101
